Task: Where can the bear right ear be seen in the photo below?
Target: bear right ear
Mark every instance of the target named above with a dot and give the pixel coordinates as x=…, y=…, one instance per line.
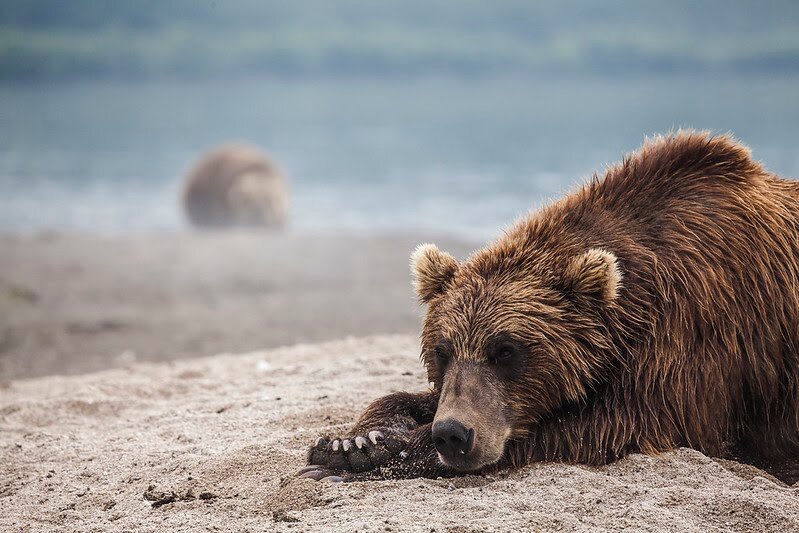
x=432, y=270
x=594, y=273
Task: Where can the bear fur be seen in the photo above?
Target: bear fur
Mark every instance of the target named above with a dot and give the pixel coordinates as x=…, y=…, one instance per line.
x=655, y=307
x=235, y=185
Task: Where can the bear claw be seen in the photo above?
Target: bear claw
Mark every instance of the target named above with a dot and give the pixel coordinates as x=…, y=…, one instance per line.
x=319, y=473
x=308, y=469
x=316, y=474
x=375, y=435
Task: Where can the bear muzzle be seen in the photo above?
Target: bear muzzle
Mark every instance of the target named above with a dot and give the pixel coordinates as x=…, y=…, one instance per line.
x=467, y=449
x=470, y=429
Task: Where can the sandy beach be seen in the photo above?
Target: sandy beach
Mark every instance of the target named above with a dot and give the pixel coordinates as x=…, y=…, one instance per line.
x=212, y=444
x=172, y=382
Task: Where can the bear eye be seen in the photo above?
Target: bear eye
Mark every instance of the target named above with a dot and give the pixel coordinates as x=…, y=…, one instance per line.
x=503, y=353
x=442, y=354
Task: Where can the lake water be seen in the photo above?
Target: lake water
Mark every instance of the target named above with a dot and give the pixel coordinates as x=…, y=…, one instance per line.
x=447, y=155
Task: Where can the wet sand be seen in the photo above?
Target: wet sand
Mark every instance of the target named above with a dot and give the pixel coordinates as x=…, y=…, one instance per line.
x=71, y=304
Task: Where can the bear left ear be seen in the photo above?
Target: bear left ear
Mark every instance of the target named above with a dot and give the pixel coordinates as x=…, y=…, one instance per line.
x=594, y=273
x=432, y=270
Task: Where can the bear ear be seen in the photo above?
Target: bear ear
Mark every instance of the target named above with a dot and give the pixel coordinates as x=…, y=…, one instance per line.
x=432, y=270
x=594, y=273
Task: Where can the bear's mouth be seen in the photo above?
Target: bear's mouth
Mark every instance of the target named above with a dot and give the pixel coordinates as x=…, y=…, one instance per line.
x=465, y=467
x=469, y=464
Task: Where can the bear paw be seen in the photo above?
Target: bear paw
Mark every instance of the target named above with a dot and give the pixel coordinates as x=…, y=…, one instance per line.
x=330, y=459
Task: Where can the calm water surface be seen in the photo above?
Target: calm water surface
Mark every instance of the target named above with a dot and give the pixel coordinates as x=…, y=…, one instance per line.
x=457, y=156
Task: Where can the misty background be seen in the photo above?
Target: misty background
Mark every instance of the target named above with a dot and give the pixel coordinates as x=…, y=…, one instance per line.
x=448, y=116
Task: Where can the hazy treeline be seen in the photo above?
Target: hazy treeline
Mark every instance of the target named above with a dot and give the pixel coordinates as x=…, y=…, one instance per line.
x=199, y=38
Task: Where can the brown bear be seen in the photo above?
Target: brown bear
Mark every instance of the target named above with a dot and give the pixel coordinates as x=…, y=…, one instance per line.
x=235, y=185
x=656, y=307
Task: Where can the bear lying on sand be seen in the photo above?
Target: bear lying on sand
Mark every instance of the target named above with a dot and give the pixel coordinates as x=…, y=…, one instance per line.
x=656, y=307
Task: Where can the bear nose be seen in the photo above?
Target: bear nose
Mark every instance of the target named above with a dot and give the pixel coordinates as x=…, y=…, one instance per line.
x=452, y=439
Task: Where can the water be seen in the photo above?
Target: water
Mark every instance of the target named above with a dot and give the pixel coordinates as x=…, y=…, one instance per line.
x=446, y=155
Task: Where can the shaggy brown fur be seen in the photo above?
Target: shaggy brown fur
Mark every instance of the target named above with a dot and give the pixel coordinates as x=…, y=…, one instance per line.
x=656, y=307
x=235, y=185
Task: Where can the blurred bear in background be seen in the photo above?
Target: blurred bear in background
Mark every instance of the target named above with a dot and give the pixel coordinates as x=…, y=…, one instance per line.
x=235, y=185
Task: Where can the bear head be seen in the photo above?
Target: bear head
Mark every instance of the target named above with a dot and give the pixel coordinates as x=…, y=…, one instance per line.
x=509, y=337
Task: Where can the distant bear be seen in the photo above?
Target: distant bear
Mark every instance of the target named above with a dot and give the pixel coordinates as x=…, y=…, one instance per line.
x=655, y=307
x=235, y=185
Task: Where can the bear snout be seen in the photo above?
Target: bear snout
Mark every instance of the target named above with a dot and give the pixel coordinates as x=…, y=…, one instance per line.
x=453, y=440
